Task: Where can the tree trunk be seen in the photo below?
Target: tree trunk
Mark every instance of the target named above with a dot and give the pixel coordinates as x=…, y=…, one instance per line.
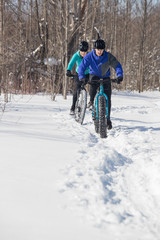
x=66, y=51
x=142, y=47
x=1, y=42
x=1, y=28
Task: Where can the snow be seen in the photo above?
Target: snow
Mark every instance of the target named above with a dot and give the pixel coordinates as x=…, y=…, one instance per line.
x=59, y=180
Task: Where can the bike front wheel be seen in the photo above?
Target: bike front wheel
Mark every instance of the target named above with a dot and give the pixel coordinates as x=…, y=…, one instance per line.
x=102, y=117
x=81, y=106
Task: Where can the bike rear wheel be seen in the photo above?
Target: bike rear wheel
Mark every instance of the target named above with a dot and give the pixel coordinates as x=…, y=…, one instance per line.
x=81, y=105
x=102, y=117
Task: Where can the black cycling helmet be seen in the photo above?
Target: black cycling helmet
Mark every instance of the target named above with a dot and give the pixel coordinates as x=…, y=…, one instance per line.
x=83, y=46
x=99, y=44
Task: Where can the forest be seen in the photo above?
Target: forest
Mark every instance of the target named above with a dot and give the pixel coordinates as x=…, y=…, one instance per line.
x=38, y=38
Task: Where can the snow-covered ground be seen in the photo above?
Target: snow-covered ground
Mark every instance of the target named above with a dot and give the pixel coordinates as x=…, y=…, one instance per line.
x=59, y=180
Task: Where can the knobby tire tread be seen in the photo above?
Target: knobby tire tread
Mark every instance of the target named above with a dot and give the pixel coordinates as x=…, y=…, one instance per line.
x=102, y=117
x=81, y=105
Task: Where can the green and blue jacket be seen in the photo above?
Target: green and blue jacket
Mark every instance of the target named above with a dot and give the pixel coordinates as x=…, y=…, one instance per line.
x=76, y=58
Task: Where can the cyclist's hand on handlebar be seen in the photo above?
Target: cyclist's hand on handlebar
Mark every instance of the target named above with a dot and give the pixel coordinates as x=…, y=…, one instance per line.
x=68, y=73
x=119, y=79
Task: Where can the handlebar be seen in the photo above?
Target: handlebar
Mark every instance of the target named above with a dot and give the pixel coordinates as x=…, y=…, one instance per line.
x=101, y=80
x=73, y=76
x=115, y=80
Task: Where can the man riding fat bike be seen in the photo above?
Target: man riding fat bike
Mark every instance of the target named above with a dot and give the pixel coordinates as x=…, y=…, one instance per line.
x=99, y=62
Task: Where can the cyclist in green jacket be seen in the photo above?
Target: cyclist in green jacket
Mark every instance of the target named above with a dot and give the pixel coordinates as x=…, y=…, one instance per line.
x=76, y=59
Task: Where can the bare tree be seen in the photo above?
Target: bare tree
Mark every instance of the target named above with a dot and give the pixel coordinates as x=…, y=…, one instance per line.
x=1, y=41
x=142, y=46
x=38, y=38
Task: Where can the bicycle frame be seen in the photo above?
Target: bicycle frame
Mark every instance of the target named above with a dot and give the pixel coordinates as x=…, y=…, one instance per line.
x=101, y=92
x=100, y=110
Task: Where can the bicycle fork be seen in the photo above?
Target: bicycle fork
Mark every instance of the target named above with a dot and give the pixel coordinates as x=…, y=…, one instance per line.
x=96, y=104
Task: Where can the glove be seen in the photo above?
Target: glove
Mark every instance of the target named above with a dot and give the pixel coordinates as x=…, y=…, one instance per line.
x=119, y=79
x=68, y=73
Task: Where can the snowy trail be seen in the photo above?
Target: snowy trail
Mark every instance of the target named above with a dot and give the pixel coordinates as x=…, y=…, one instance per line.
x=98, y=187
x=116, y=174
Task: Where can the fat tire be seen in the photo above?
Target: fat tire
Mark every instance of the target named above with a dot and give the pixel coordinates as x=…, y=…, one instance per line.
x=81, y=105
x=102, y=117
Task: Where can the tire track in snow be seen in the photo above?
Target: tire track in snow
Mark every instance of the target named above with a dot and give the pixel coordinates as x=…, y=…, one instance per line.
x=106, y=177
x=88, y=180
